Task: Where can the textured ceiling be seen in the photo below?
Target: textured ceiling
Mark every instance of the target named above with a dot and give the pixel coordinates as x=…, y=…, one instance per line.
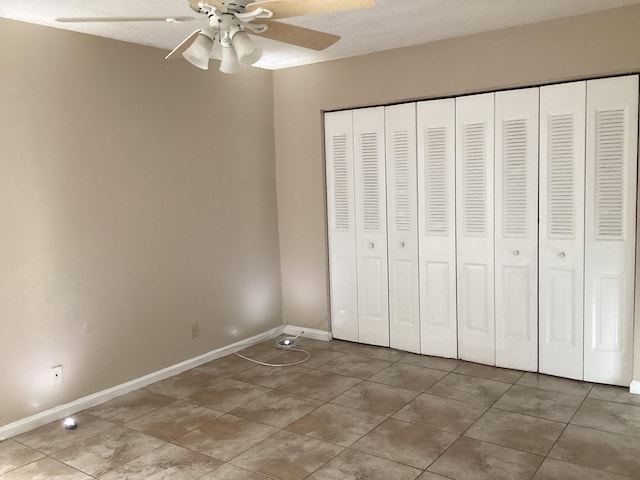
x=390, y=24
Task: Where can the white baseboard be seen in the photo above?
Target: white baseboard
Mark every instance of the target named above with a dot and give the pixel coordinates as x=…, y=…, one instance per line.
x=635, y=387
x=312, y=333
x=61, y=411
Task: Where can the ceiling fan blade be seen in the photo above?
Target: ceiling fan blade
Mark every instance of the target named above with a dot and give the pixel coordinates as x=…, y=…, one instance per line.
x=296, y=8
x=302, y=37
x=125, y=19
x=212, y=3
x=186, y=43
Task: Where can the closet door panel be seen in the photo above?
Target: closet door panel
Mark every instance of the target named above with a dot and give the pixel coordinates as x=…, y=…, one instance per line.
x=402, y=221
x=611, y=164
x=371, y=225
x=516, y=232
x=475, y=227
x=561, y=236
x=436, y=212
x=341, y=228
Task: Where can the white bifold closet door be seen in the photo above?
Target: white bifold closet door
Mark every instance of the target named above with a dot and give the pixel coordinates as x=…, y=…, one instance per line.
x=371, y=225
x=341, y=225
x=402, y=224
x=475, y=227
x=610, y=224
x=561, y=240
x=436, y=137
x=516, y=228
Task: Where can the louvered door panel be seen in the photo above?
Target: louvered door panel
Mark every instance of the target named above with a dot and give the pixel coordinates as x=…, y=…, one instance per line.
x=342, y=226
x=516, y=232
x=436, y=213
x=371, y=225
x=611, y=159
x=402, y=204
x=561, y=236
x=475, y=227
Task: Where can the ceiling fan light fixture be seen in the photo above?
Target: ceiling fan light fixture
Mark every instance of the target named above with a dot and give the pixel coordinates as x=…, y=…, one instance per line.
x=247, y=51
x=200, y=50
x=230, y=63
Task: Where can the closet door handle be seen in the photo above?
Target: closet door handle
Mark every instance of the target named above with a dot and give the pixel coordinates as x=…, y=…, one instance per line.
x=371, y=245
x=516, y=252
x=401, y=244
x=562, y=254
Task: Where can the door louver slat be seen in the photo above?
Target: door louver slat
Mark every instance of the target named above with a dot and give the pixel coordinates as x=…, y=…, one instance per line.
x=474, y=161
x=561, y=189
x=610, y=184
x=402, y=181
x=514, y=179
x=341, y=183
x=437, y=190
x=370, y=181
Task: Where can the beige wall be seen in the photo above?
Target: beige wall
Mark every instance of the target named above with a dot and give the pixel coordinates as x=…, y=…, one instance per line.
x=131, y=205
x=578, y=47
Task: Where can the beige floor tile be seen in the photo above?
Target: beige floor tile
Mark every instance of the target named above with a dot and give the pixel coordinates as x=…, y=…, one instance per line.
x=431, y=476
x=270, y=377
x=183, y=384
x=263, y=352
x=356, y=366
x=353, y=465
x=612, y=393
x=169, y=462
x=602, y=450
x=318, y=357
x=224, y=366
x=440, y=413
x=609, y=416
x=324, y=386
x=231, y=472
x=479, y=391
x=539, y=403
x=45, y=469
x=405, y=443
x=555, y=384
x=174, y=420
x=232, y=410
x=278, y=408
x=379, y=353
x=522, y=432
x=287, y=456
x=336, y=424
x=14, y=455
x=333, y=345
x=408, y=376
x=99, y=455
x=489, y=372
x=130, y=406
x=469, y=459
x=53, y=437
x=375, y=398
x=227, y=395
x=225, y=437
x=557, y=470
x=439, y=363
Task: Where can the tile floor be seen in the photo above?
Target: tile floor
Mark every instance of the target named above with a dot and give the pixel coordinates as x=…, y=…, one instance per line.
x=350, y=412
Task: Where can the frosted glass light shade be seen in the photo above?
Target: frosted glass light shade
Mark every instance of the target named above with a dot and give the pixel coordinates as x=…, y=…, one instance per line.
x=230, y=63
x=248, y=53
x=199, y=51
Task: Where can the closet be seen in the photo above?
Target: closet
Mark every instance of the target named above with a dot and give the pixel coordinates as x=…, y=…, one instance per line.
x=497, y=228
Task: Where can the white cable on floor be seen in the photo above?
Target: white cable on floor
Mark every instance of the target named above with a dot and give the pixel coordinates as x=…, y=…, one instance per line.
x=281, y=364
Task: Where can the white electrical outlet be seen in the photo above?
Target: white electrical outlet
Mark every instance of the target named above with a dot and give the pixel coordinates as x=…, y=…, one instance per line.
x=56, y=375
x=195, y=330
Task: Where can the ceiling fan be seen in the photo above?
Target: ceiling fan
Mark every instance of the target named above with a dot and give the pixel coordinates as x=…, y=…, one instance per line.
x=230, y=22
